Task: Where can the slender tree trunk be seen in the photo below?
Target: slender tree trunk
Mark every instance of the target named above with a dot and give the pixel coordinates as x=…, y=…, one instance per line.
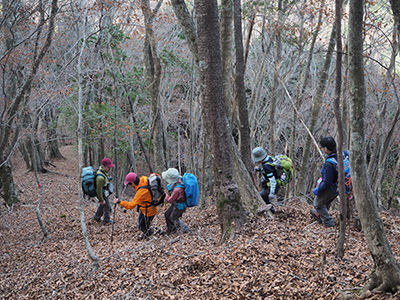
x=386, y=274
x=338, y=116
x=53, y=150
x=244, y=125
x=226, y=21
x=153, y=79
x=275, y=84
x=230, y=210
x=82, y=35
x=301, y=185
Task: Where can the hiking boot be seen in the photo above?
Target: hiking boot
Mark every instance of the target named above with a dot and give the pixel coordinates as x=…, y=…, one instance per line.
x=272, y=209
x=315, y=215
x=97, y=220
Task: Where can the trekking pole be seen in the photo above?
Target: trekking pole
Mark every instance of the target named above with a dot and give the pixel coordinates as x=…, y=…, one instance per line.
x=115, y=208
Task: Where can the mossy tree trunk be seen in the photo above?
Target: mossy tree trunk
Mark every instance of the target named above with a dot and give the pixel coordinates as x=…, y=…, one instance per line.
x=229, y=206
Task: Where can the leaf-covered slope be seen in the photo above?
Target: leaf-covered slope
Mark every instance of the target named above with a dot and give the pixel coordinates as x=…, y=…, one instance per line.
x=288, y=257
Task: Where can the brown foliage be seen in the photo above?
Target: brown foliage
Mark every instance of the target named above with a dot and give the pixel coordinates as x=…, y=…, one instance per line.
x=288, y=257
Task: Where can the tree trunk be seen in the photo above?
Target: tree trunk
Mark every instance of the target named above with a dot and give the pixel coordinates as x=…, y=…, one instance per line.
x=226, y=21
x=301, y=185
x=9, y=134
x=386, y=274
x=339, y=124
x=275, y=84
x=187, y=25
x=244, y=125
x=50, y=121
x=80, y=130
x=153, y=79
x=8, y=191
x=230, y=210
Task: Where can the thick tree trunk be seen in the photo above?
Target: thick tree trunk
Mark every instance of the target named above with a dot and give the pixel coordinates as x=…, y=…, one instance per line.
x=230, y=210
x=386, y=274
x=8, y=191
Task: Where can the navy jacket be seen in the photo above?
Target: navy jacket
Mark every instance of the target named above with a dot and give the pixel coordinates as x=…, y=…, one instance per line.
x=329, y=174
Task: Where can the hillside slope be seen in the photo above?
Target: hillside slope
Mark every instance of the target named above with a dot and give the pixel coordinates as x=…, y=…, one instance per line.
x=288, y=257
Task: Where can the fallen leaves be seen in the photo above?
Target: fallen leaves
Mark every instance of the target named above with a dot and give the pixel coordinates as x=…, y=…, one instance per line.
x=279, y=258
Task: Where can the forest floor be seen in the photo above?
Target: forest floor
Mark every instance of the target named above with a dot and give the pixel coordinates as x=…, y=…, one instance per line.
x=287, y=257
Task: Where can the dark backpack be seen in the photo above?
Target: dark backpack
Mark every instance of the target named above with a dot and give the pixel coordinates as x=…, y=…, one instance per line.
x=156, y=189
x=89, y=176
x=346, y=165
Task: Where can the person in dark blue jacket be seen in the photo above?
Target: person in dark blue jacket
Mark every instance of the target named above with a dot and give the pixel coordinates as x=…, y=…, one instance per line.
x=326, y=191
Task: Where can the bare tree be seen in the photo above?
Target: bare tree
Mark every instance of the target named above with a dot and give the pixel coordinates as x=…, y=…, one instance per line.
x=17, y=99
x=229, y=206
x=386, y=274
x=301, y=185
x=83, y=36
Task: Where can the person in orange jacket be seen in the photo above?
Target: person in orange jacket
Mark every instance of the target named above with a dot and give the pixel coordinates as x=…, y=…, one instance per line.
x=143, y=200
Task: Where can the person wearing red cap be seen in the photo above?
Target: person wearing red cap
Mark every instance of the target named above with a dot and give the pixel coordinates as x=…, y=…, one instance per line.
x=103, y=194
x=143, y=200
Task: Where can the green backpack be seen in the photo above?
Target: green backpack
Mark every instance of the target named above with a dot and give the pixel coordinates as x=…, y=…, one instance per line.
x=284, y=168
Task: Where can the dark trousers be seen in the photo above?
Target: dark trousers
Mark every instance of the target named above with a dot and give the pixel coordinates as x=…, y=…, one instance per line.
x=322, y=203
x=172, y=216
x=145, y=224
x=103, y=209
x=265, y=192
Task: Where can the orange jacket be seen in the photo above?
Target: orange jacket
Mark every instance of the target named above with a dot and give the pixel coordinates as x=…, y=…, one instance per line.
x=142, y=198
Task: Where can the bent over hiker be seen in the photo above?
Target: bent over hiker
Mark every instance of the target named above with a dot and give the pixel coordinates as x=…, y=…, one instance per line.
x=270, y=184
x=177, y=200
x=142, y=200
x=102, y=193
x=326, y=191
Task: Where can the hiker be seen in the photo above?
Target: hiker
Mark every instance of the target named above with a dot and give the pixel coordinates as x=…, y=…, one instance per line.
x=326, y=191
x=176, y=199
x=143, y=199
x=102, y=192
x=269, y=184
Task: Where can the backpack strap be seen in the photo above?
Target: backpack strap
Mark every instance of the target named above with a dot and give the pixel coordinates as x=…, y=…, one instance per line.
x=148, y=187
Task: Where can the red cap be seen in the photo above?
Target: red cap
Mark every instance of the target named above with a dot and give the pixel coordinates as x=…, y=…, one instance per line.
x=107, y=163
x=130, y=178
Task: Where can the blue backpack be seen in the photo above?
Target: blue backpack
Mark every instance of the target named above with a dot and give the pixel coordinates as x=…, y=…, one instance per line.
x=89, y=181
x=347, y=175
x=191, y=187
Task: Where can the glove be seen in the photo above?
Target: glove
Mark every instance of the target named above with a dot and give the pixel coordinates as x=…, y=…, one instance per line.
x=315, y=191
x=271, y=196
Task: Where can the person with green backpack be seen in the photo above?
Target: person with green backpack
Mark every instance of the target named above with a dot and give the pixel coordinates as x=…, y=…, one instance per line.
x=275, y=172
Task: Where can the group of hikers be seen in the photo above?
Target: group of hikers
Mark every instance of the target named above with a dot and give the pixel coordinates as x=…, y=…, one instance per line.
x=143, y=200
x=327, y=186
x=271, y=180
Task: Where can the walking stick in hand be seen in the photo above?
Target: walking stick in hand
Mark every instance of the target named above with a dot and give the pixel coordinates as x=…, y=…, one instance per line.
x=115, y=208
